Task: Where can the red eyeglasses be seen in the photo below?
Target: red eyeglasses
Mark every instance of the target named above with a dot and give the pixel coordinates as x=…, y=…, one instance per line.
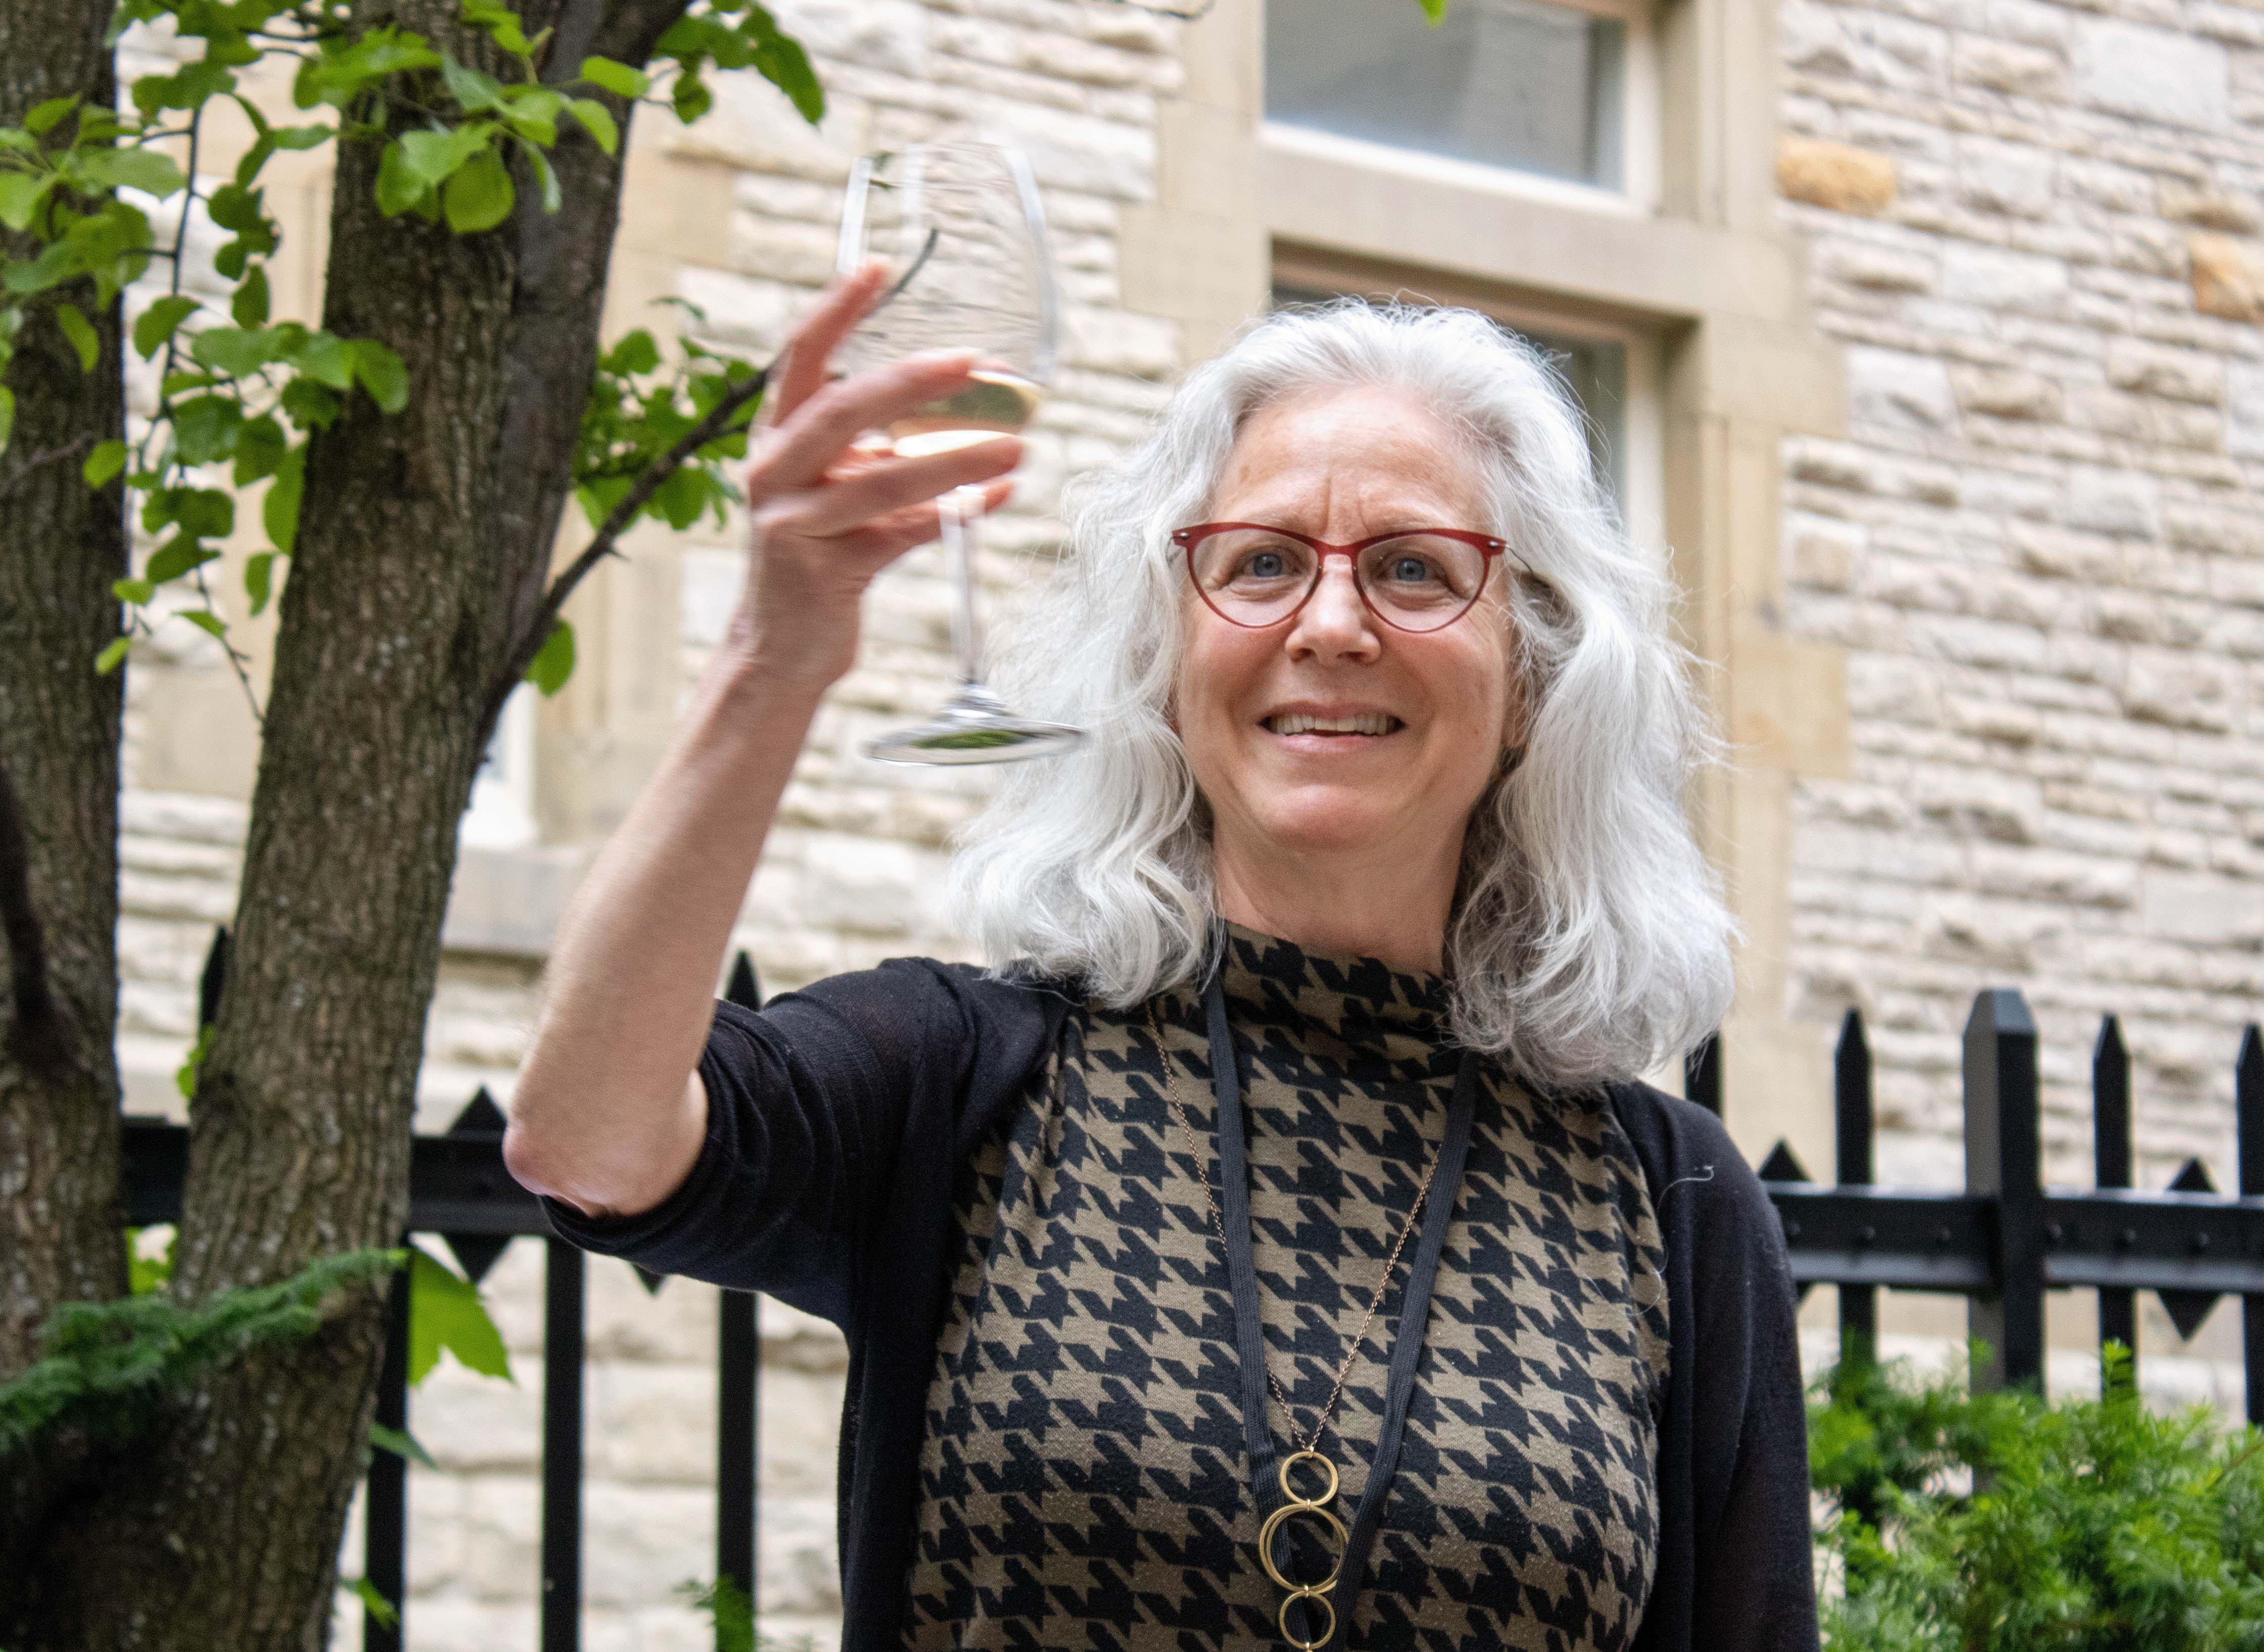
x=1421, y=579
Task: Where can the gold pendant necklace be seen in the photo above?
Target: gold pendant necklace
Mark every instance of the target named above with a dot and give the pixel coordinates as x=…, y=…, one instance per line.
x=1317, y=1507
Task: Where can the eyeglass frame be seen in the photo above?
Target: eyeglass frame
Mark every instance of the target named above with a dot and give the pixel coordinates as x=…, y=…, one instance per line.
x=1187, y=538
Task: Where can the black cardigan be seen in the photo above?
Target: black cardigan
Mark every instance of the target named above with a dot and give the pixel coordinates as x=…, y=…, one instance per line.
x=837, y=1116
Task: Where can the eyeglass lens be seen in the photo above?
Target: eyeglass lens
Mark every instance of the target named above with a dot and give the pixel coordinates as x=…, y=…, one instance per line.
x=1417, y=582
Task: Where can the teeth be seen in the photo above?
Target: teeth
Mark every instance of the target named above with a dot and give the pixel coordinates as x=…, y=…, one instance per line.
x=1374, y=722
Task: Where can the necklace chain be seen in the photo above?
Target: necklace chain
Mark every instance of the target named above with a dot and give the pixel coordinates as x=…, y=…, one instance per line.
x=1218, y=1227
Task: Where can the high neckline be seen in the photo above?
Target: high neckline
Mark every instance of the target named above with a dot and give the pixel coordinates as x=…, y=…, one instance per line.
x=1362, y=1001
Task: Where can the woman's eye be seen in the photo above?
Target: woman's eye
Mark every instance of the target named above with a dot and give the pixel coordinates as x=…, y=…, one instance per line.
x=1266, y=565
x=1409, y=571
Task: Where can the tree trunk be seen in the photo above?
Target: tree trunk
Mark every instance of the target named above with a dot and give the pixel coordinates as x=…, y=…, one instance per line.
x=423, y=546
x=60, y=547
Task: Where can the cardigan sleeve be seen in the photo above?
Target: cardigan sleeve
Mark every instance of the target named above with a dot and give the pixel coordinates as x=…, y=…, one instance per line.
x=808, y=1101
x=1753, y=1576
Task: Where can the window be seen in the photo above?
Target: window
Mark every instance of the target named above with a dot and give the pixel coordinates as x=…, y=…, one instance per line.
x=1514, y=84
x=1595, y=370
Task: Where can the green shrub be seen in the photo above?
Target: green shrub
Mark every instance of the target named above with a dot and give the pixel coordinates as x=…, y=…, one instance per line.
x=1999, y=1522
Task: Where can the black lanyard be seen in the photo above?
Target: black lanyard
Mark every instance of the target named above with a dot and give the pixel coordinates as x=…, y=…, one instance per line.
x=1249, y=1336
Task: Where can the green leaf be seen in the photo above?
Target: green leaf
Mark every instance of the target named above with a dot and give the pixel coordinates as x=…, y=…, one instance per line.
x=20, y=194
x=238, y=352
x=237, y=207
x=156, y=324
x=205, y=428
x=401, y=1443
x=326, y=358
x=260, y=579
x=379, y=1607
x=434, y=156
x=444, y=1311
x=151, y=170
x=81, y=333
x=471, y=87
x=634, y=353
x=399, y=188
x=381, y=374
x=617, y=78
x=279, y=513
x=43, y=117
x=1433, y=9
x=311, y=406
x=56, y=263
x=136, y=591
x=200, y=513
x=250, y=304
x=177, y=557
x=260, y=446
x=479, y=195
x=596, y=118
x=207, y=621
x=691, y=98
x=781, y=61
x=554, y=661
x=106, y=461
x=552, y=196
x=114, y=651
x=7, y=414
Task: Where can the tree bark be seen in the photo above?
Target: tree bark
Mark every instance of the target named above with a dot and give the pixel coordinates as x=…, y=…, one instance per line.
x=60, y=547
x=424, y=545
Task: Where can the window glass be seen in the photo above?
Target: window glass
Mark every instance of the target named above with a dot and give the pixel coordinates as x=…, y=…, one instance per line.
x=1507, y=83
x=1594, y=370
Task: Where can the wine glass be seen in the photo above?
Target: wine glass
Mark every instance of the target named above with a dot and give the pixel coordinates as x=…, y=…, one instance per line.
x=961, y=230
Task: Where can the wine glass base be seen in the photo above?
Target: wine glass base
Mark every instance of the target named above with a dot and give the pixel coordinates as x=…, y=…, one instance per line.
x=975, y=727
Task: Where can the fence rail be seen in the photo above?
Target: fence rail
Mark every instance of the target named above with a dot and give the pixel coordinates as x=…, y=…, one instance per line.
x=2002, y=1242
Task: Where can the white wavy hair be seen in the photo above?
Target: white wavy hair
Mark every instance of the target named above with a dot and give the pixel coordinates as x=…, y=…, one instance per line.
x=1588, y=938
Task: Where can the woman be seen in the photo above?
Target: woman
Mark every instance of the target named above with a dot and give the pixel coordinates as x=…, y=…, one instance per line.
x=1277, y=1249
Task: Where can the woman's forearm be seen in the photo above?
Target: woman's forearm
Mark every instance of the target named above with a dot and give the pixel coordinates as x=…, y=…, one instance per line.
x=609, y=1113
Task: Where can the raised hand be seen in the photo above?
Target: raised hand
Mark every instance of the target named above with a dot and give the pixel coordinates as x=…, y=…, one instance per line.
x=827, y=516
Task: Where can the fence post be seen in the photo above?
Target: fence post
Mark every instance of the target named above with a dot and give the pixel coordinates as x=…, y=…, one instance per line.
x=2002, y=1160
x=563, y=1291
x=2248, y=1104
x=2110, y=1161
x=1850, y=1097
x=385, y=1511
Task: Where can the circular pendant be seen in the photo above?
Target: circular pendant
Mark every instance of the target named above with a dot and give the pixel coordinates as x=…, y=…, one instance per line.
x=1317, y=1507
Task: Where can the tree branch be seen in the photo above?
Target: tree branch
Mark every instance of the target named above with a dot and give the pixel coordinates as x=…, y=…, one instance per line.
x=649, y=482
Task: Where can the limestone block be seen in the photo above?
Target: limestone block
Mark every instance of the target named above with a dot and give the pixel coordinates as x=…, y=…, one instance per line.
x=1884, y=269
x=1114, y=341
x=1980, y=803
x=2226, y=532
x=1837, y=176
x=2183, y=375
x=2244, y=409
x=2228, y=276
x=1900, y=391
x=2003, y=280
x=2005, y=395
x=2152, y=249
x=1823, y=553
x=2152, y=73
x=1077, y=152
x=2115, y=502
x=782, y=250
x=889, y=34
x=2211, y=909
x=2182, y=691
x=2015, y=178
x=870, y=885
x=2211, y=207
x=2007, y=67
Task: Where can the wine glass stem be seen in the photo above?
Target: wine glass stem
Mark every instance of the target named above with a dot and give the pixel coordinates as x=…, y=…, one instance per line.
x=962, y=509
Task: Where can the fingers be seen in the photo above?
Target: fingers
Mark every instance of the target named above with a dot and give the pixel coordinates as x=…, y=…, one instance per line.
x=874, y=492
x=802, y=366
x=897, y=532
x=810, y=440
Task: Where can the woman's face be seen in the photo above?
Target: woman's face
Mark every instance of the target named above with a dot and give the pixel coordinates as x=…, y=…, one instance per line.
x=1342, y=466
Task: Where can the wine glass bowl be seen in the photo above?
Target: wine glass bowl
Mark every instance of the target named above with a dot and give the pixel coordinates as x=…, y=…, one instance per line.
x=962, y=234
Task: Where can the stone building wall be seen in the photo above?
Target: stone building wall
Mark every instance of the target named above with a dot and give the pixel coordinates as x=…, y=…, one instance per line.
x=2034, y=227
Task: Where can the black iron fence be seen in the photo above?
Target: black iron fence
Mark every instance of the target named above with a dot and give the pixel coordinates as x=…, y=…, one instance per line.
x=2002, y=1242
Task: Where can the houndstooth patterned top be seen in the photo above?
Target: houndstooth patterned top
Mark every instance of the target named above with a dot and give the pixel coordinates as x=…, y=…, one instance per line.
x=1083, y=1481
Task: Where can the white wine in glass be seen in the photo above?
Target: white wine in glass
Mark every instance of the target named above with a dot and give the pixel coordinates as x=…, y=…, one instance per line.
x=964, y=235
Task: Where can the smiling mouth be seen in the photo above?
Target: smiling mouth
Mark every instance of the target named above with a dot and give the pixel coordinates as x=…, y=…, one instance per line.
x=1365, y=723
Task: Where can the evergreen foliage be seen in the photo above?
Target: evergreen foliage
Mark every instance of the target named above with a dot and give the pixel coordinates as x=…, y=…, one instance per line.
x=1999, y=1522
x=108, y=1365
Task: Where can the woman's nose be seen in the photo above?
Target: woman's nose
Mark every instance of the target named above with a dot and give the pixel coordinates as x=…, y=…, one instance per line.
x=1335, y=623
